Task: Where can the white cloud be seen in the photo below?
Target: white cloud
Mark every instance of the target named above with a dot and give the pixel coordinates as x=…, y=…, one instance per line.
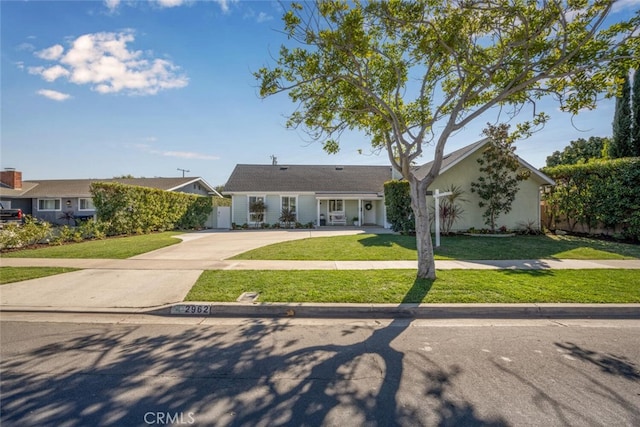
x=104, y=61
x=112, y=5
x=263, y=17
x=53, y=73
x=147, y=148
x=224, y=4
x=171, y=3
x=35, y=70
x=55, y=95
x=51, y=53
x=188, y=155
x=26, y=46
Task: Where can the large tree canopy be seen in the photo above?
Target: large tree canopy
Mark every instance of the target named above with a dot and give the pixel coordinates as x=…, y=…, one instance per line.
x=410, y=73
x=579, y=151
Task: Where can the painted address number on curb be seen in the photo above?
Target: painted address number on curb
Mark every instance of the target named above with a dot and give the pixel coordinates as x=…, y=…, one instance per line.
x=191, y=309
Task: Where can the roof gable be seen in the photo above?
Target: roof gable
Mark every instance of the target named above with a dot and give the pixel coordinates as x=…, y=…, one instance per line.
x=452, y=159
x=308, y=178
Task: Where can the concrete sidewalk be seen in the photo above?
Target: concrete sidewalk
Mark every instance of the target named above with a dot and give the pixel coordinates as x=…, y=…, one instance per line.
x=203, y=264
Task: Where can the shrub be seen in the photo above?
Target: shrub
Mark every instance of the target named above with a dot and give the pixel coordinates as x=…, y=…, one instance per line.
x=602, y=192
x=30, y=233
x=127, y=209
x=92, y=230
x=397, y=200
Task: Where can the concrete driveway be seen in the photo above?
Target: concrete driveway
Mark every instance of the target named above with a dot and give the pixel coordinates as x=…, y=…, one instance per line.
x=219, y=245
x=130, y=287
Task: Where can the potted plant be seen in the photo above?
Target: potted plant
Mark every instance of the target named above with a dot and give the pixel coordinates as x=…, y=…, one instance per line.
x=356, y=221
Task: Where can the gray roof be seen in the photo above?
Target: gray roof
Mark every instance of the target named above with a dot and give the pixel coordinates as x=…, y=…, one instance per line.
x=308, y=178
x=80, y=187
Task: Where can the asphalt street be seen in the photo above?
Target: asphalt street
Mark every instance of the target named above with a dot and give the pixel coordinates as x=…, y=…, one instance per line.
x=79, y=370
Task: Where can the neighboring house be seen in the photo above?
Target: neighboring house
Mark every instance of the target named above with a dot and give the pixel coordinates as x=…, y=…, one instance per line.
x=51, y=200
x=461, y=168
x=322, y=195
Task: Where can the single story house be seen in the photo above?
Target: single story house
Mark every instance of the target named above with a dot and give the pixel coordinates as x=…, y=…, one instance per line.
x=317, y=194
x=460, y=168
x=354, y=195
x=53, y=200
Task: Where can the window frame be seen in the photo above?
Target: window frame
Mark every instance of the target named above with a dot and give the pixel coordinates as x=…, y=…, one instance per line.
x=289, y=198
x=80, y=208
x=56, y=202
x=250, y=219
x=333, y=203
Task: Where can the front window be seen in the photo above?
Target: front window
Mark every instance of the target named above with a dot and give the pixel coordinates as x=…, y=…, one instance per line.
x=336, y=205
x=256, y=209
x=49, y=205
x=289, y=203
x=87, y=205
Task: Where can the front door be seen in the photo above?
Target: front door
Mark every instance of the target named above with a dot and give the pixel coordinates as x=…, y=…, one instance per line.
x=369, y=209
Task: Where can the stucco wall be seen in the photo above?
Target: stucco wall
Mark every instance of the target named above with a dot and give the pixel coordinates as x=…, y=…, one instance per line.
x=525, y=208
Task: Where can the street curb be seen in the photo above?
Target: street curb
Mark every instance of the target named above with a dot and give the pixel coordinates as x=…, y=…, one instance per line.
x=361, y=311
x=418, y=311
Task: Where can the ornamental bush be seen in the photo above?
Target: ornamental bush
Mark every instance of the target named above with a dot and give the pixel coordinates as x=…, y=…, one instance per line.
x=602, y=193
x=397, y=200
x=128, y=209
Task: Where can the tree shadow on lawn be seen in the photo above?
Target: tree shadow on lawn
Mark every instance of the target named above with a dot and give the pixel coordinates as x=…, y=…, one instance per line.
x=252, y=374
x=388, y=241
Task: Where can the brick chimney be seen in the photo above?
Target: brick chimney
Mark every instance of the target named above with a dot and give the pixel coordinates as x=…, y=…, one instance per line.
x=11, y=178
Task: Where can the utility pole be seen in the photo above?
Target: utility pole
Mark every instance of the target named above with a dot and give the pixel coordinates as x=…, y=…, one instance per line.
x=183, y=171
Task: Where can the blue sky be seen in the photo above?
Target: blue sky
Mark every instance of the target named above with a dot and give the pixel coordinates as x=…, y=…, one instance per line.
x=95, y=89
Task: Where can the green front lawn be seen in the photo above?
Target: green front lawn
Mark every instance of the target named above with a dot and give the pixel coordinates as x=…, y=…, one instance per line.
x=112, y=248
x=18, y=274
x=396, y=247
x=400, y=286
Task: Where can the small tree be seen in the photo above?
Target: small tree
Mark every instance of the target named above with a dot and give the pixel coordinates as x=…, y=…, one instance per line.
x=635, y=107
x=621, y=144
x=257, y=208
x=499, y=184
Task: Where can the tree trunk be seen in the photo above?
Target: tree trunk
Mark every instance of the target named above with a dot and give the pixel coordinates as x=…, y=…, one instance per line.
x=426, y=262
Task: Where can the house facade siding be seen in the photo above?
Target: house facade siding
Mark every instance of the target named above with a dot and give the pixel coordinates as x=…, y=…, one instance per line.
x=525, y=207
x=310, y=208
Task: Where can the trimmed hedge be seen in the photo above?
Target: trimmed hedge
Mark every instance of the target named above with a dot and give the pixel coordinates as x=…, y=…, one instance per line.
x=397, y=199
x=128, y=209
x=599, y=193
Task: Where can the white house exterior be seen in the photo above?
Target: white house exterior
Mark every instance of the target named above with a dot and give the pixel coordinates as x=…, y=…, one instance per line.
x=322, y=195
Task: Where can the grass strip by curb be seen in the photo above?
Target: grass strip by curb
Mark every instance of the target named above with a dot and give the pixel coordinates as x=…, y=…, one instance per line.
x=400, y=286
x=18, y=274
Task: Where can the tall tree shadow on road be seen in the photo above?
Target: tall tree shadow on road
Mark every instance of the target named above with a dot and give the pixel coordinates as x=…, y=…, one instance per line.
x=608, y=363
x=257, y=374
